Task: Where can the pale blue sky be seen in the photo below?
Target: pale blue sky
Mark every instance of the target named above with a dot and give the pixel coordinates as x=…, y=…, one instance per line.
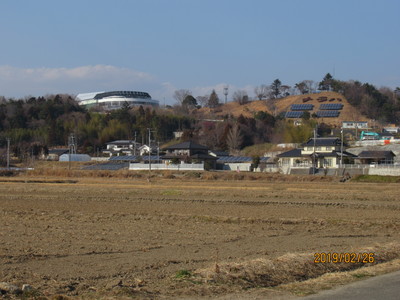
x=157, y=46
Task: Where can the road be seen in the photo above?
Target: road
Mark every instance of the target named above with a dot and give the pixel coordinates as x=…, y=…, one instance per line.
x=381, y=287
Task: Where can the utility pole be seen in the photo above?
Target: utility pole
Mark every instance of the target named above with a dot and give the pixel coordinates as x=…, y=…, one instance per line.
x=8, y=153
x=71, y=148
x=149, y=149
x=158, y=152
x=341, y=148
x=134, y=146
x=315, y=141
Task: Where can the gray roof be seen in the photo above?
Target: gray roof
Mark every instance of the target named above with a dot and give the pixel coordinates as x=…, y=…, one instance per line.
x=323, y=142
x=291, y=153
x=59, y=151
x=122, y=142
x=297, y=153
x=377, y=154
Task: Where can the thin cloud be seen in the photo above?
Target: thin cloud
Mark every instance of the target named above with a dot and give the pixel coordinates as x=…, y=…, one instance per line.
x=17, y=82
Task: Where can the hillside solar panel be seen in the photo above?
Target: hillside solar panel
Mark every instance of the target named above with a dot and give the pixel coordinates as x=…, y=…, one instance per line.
x=331, y=106
x=294, y=114
x=302, y=107
x=328, y=114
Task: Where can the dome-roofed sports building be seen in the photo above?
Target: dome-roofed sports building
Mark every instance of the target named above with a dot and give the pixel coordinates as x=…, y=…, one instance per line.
x=115, y=99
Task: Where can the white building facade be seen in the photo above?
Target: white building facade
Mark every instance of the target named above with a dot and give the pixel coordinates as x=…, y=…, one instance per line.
x=116, y=99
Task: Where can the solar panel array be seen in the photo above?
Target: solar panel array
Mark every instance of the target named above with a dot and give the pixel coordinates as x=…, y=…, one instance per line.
x=125, y=158
x=134, y=158
x=294, y=114
x=328, y=114
x=238, y=159
x=331, y=106
x=302, y=107
x=107, y=166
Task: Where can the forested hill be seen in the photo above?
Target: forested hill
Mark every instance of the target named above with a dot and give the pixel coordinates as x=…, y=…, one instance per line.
x=361, y=102
x=47, y=122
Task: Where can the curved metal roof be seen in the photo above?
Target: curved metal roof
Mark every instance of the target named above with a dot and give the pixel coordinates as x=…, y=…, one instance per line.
x=132, y=94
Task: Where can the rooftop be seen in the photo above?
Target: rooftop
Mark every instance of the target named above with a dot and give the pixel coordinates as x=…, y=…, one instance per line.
x=376, y=154
x=323, y=142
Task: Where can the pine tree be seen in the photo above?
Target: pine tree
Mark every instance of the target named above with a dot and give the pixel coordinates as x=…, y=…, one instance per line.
x=213, y=101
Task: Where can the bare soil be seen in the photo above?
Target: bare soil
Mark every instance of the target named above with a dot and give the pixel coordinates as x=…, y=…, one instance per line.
x=277, y=106
x=162, y=238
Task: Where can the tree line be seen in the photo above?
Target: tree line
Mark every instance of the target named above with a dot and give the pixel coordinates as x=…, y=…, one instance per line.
x=35, y=124
x=381, y=104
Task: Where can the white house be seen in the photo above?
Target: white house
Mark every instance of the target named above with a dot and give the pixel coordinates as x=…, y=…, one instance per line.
x=393, y=130
x=321, y=152
x=122, y=147
x=354, y=125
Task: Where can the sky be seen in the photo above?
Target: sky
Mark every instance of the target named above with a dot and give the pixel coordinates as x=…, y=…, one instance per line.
x=160, y=46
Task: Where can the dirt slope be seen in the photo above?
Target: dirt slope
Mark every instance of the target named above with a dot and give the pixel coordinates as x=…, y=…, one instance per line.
x=275, y=107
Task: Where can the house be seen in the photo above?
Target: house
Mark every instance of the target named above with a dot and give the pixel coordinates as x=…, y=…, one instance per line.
x=240, y=163
x=354, y=125
x=392, y=129
x=54, y=154
x=375, y=157
x=189, y=152
x=121, y=147
x=319, y=152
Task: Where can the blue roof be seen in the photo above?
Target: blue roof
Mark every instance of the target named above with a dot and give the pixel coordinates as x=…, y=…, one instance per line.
x=238, y=159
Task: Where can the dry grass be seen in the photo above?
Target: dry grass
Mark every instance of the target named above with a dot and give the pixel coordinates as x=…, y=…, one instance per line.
x=61, y=170
x=331, y=280
x=289, y=268
x=248, y=110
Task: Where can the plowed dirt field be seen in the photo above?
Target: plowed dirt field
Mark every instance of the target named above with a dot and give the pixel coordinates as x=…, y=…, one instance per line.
x=108, y=237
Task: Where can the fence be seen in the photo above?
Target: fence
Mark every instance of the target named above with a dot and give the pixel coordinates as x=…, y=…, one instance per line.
x=375, y=142
x=177, y=167
x=366, y=166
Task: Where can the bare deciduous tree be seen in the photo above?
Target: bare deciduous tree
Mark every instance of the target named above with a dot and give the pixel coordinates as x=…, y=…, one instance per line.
x=302, y=87
x=261, y=91
x=241, y=97
x=203, y=100
x=234, y=139
x=180, y=95
x=285, y=90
